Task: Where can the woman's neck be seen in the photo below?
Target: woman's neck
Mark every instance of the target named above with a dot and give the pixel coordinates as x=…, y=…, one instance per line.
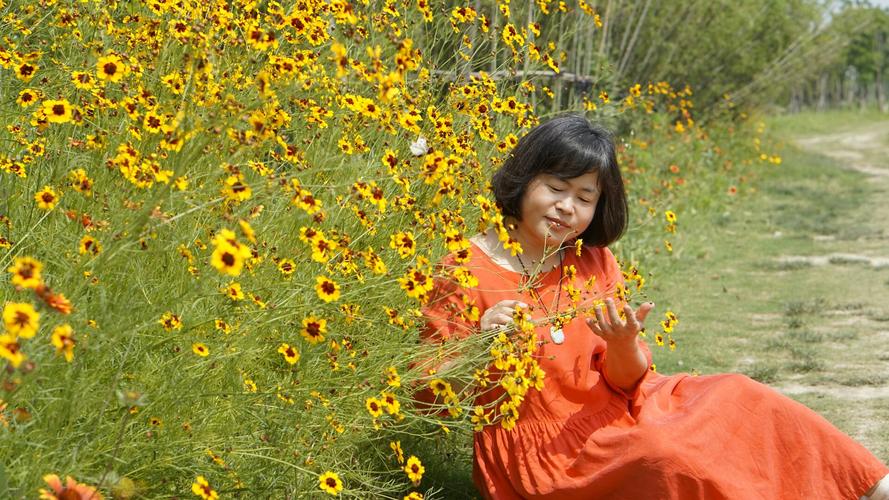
x=535, y=256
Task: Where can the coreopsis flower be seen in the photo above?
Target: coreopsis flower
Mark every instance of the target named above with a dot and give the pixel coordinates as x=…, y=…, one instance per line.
x=396, y=448
x=374, y=407
x=228, y=255
x=404, y=243
x=56, y=301
x=82, y=80
x=330, y=483
x=111, y=68
x=222, y=326
x=327, y=289
x=390, y=402
x=247, y=230
x=46, y=198
x=80, y=181
x=200, y=349
x=58, y=111
x=28, y=97
x=89, y=245
x=414, y=469
x=202, y=488
x=393, y=379
x=170, y=321
x=313, y=329
x=234, y=291
x=26, y=272
x=153, y=122
x=286, y=267
x=25, y=71
x=71, y=490
x=290, y=354
x=20, y=319
x=63, y=341
x=11, y=350
x=414, y=495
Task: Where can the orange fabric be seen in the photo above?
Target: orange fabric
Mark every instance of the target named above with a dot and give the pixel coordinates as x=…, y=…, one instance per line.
x=673, y=437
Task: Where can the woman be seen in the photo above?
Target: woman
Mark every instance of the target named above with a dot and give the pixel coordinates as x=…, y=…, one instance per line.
x=604, y=425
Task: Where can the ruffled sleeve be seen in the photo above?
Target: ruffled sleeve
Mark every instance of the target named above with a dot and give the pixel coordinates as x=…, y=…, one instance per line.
x=446, y=317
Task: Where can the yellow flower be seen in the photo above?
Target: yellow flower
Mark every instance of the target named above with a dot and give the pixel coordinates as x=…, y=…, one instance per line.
x=26, y=272
x=330, y=483
x=391, y=403
x=200, y=349
x=247, y=230
x=58, y=111
x=374, y=407
x=20, y=319
x=313, y=329
x=111, y=68
x=290, y=354
x=404, y=243
x=229, y=255
x=153, y=122
x=88, y=244
x=327, y=289
x=25, y=71
x=202, y=488
x=396, y=448
x=28, y=97
x=170, y=321
x=392, y=377
x=286, y=266
x=46, y=198
x=414, y=496
x=414, y=469
x=63, y=340
x=10, y=350
x=234, y=291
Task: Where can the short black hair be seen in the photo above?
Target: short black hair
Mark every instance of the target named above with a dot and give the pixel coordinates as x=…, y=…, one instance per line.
x=567, y=146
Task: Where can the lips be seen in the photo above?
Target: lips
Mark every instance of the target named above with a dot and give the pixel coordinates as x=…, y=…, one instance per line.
x=564, y=225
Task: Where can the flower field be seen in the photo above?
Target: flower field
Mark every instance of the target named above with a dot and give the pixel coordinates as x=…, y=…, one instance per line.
x=219, y=223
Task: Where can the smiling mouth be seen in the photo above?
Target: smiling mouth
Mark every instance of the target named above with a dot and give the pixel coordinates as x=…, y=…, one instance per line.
x=556, y=223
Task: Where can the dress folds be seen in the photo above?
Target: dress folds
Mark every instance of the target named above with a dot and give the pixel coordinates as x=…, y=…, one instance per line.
x=672, y=437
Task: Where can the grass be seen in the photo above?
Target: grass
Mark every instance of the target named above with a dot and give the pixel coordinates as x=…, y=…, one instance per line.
x=742, y=310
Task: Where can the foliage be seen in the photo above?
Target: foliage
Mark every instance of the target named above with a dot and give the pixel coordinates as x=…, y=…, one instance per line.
x=220, y=222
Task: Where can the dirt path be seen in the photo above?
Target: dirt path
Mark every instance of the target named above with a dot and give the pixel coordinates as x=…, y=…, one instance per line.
x=849, y=329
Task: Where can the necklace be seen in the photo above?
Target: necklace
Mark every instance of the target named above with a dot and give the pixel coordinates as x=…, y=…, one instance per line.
x=555, y=331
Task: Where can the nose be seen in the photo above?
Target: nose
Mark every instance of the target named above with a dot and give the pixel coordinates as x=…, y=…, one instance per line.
x=565, y=205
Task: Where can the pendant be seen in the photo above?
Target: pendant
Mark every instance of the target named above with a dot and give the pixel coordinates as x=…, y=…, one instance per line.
x=557, y=334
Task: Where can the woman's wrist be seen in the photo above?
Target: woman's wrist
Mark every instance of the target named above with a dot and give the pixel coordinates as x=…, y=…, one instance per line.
x=623, y=346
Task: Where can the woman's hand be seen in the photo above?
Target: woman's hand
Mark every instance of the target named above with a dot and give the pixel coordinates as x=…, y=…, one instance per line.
x=625, y=363
x=614, y=330
x=500, y=314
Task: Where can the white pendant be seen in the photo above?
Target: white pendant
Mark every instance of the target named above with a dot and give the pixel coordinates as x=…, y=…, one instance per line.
x=556, y=334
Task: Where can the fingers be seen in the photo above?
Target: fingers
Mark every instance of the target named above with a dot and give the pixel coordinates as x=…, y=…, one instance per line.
x=643, y=311
x=613, y=317
x=632, y=321
x=501, y=314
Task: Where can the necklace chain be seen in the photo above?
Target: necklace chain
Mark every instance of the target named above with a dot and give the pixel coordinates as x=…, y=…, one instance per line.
x=557, y=321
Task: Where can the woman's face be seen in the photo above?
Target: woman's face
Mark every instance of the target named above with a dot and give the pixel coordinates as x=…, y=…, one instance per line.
x=556, y=210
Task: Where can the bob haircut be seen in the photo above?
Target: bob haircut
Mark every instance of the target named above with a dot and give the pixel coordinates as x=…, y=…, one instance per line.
x=567, y=146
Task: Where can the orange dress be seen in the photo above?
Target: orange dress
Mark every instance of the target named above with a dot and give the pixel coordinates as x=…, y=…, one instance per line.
x=672, y=437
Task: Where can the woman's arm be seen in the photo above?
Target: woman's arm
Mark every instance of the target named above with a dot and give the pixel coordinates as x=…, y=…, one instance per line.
x=625, y=364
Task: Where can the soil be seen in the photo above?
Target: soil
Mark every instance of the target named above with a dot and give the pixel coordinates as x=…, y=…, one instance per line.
x=853, y=390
